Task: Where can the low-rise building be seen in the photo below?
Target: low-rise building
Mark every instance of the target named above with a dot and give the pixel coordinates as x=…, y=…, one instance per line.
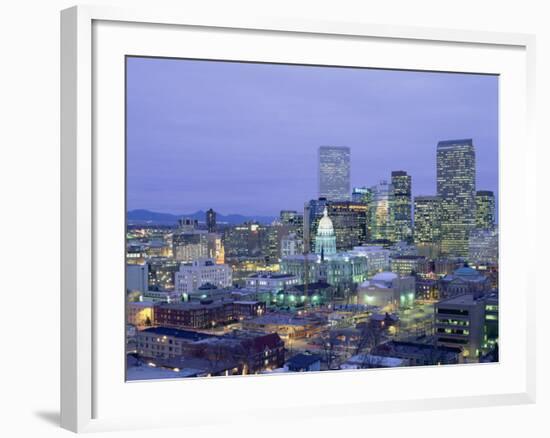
x=303, y=363
x=378, y=258
x=199, y=272
x=418, y=354
x=464, y=280
x=271, y=281
x=140, y=313
x=387, y=289
x=459, y=323
x=361, y=361
x=206, y=313
x=137, y=277
x=410, y=265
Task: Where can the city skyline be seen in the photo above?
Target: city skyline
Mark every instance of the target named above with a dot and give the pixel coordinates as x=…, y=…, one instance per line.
x=384, y=251
x=160, y=113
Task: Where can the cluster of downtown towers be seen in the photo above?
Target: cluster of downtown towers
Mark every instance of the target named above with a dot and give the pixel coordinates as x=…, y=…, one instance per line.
x=444, y=221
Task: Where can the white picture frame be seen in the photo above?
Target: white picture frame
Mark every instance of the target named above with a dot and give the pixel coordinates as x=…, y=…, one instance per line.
x=89, y=395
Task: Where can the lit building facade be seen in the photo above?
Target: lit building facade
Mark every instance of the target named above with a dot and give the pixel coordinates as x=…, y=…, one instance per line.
x=401, y=183
x=485, y=209
x=387, y=290
x=334, y=173
x=350, y=223
x=340, y=269
x=271, y=282
x=382, y=212
x=325, y=240
x=291, y=245
x=410, y=264
x=189, y=245
x=456, y=185
x=427, y=220
x=378, y=258
x=193, y=275
x=162, y=272
x=483, y=246
x=246, y=240
x=313, y=212
x=459, y=322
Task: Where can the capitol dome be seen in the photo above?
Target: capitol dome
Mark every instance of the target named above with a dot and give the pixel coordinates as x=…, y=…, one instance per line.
x=325, y=242
x=325, y=225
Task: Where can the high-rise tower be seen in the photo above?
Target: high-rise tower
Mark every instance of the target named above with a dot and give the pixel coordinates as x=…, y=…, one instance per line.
x=456, y=185
x=211, y=220
x=334, y=173
x=485, y=209
x=401, y=183
x=381, y=212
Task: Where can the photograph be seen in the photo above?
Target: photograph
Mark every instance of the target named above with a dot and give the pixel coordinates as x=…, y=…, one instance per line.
x=285, y=218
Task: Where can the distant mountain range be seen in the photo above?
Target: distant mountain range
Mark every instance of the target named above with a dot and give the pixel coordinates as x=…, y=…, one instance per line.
x=140, y=217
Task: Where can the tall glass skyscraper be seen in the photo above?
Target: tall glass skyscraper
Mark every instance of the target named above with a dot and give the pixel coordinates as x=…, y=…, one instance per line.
x=485, y=209
x=382, y=212
x=334, y=173
x=456, y=187
x=427, y=220
x=211, y=220
x=401, y=183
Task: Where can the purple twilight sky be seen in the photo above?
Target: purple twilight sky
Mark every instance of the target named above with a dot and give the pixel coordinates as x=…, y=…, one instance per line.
x=243, y=137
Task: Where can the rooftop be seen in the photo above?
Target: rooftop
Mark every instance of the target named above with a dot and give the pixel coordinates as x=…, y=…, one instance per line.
x=177, y=333
x=302, y=361
x=270, y=275
x=467, y=299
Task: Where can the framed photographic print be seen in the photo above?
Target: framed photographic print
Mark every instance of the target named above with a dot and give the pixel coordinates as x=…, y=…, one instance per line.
x=257, y=208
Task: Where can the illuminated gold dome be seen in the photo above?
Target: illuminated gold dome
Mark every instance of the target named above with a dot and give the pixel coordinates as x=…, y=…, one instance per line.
x=325, y=225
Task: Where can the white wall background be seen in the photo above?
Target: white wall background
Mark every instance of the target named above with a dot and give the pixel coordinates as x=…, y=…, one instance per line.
x=29, y=212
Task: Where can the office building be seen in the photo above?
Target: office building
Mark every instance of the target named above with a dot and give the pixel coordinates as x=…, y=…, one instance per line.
x=410, y=265
x=246, y=240
x=378, y=258
x=211, y=221
x=199, y=272
x=189, y=244
x=485, y=209
x=427, y=220
x=137, y=277
x=459, y=322
x=382, y=212
x=456, y=185
x=271, y=281
x=162, y=272
x=401, y=183
x=350, y=223
x=483, y=246
x=334, y=173
x=291, y=245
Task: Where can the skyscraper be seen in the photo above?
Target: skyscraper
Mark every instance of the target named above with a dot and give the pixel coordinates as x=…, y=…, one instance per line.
x=350, y=223
x=485, y=209
x=364, y=195
x=211, y=220
x=456, y=185
x=382, y=212
x=334, y=173
x=401, y=183
x=427, y=220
